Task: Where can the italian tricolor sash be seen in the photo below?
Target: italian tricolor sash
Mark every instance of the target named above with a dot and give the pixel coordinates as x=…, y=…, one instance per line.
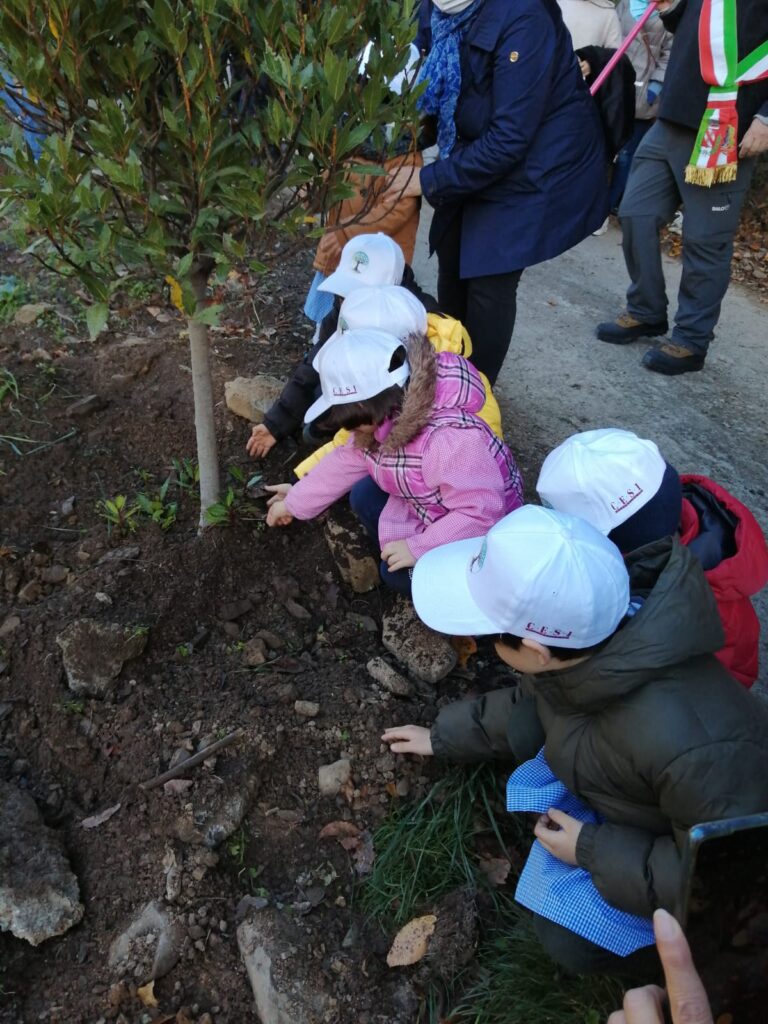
x=715, y=155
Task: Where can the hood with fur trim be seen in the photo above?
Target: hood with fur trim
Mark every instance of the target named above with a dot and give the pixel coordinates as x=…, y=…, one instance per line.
x=437, y=381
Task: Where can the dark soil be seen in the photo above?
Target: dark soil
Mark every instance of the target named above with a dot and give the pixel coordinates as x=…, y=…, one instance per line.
x=191, y=684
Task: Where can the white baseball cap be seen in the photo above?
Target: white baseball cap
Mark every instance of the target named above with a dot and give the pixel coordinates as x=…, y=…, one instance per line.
x=402, y=78
x=537, y=573
x=366, y=260
x=604, y=476
x=354, y=366
x=390, y=308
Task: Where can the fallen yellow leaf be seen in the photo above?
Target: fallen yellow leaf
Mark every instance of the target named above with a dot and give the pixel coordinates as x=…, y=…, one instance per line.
x=147, y=994
x=465, y=647
x=412, y=941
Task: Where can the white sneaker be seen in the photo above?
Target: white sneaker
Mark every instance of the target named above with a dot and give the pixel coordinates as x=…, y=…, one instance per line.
x=602, y=229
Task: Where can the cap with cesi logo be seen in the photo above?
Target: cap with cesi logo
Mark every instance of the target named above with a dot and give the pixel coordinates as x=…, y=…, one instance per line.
x=354, y=366
x=603, y=476
x=537, y=573
x=366, y=260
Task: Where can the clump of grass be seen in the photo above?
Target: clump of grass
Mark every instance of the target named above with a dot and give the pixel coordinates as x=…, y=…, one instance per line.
x=428, y=849
x=512, y=981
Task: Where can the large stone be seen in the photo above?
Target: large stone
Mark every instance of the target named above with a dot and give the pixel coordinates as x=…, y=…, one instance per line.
x=251, y=397
x=30, y=312
x=150, y=945
x=94, y=654
x=427, y=655
x=332, y=777
x=351, y=550
x=218, y=807
x=39, y=895
x=274, y=954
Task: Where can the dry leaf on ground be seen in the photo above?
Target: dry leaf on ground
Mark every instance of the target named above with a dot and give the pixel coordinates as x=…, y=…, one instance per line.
x=98, y=819
x=339, y=830
x=465, y=647
x=147, y=994
x=412, y=941
x=355, y=841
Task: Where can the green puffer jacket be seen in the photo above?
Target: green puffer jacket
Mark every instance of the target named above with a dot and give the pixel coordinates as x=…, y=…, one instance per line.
x=652, y=732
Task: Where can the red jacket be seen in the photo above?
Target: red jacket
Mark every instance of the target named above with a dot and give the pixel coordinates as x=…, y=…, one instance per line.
x=734, y=580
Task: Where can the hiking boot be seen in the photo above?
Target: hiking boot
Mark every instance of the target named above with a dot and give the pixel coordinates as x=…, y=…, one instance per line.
x=626, y=328
x=672, y=359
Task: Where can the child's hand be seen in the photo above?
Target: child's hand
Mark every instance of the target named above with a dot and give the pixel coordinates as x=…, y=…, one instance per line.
x=409, y=739
x=558, y=833
x=279, y=491
x=397, y=555
x=585, y=68
x=278, y=514
x=260, y=441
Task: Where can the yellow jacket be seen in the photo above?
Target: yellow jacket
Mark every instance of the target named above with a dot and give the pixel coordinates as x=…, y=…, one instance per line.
x=445, y=335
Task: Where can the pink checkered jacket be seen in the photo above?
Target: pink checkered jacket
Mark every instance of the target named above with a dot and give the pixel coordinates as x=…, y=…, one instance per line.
x=447, y=475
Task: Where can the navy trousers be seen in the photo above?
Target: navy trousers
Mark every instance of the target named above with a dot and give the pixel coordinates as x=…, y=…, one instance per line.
x=368, y=500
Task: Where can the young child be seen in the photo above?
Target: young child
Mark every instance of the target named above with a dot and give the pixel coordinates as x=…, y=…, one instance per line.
x=367, y=260
x=621, y=484
x=422, y=467
x=394, y=309
x=643, y=731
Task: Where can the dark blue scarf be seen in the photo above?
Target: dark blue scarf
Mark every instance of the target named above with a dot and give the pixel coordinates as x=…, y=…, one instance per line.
x=442, y=73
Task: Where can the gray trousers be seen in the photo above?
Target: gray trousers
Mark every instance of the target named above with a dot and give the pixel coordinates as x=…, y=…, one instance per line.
x=655, y=190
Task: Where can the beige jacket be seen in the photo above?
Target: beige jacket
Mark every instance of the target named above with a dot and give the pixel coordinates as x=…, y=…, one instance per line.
x=592, y=23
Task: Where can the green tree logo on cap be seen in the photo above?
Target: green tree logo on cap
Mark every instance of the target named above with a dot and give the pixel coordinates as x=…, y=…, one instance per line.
x=361, y=259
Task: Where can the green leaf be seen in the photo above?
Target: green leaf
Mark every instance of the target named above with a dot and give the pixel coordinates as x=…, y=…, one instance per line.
x=96, y=317
x=208, y=315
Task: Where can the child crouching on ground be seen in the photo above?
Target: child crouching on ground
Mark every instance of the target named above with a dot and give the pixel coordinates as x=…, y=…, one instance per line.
x=621, y=484
x=423, y=469
x=397, y=311
x=626, y=729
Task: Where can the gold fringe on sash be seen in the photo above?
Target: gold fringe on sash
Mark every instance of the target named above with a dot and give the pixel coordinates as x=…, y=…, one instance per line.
x=709, y=176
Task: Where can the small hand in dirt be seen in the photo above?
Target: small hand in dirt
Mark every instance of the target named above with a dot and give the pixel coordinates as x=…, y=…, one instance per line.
x=278, y=514
x=278, y=492
x=408, y=739
x=688, y=1003
x=558, y=833
x=260, y=442
x=397, y=555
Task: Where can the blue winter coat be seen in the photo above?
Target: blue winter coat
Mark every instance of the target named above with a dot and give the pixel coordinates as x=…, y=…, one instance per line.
x=528, y=171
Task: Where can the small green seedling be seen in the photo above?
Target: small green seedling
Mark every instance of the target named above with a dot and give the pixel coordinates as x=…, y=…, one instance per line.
x=157, y=508
x=120, y=516
x=138, y=631
x=184, y=650
x=8, y=384
x=187, y=473
x=74, y=707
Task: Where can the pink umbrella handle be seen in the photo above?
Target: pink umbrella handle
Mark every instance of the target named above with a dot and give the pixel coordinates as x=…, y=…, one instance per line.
x=623, y=48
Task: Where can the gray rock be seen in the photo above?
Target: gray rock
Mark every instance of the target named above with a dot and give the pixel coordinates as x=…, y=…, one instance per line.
x=306, y=708
x=9, y=625
x=298, y=611
x=389, y=678
x=426, y=654
x=251, y=397
x=39, y=895
x=153, y=939
x=94, y=654
x=255, y=652
x=271, y=948
x=351, y=551
x=29, y=313
x=127, y=554
x=331, y=777
x=235, y=609
x=272, y=640
x=217, y=810
x=30, y=592
x=54, y=574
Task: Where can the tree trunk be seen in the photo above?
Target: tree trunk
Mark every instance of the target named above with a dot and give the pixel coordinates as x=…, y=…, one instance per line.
x=202, y=389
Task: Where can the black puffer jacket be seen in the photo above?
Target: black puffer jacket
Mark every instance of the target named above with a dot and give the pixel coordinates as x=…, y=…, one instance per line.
x=652, y=732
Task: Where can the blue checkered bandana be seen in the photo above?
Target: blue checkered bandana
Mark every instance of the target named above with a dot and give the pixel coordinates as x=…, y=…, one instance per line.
x=560, y=892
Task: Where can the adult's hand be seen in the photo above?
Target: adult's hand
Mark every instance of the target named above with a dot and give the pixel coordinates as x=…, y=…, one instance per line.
x=755, y=139
x=688, y=1001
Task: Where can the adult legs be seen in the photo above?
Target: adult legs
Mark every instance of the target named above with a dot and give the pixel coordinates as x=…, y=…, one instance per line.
x=580, y=956
x=710, y=219
x=650, y=200
x=451, y=290
x=490, y=319
x=367, y=501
